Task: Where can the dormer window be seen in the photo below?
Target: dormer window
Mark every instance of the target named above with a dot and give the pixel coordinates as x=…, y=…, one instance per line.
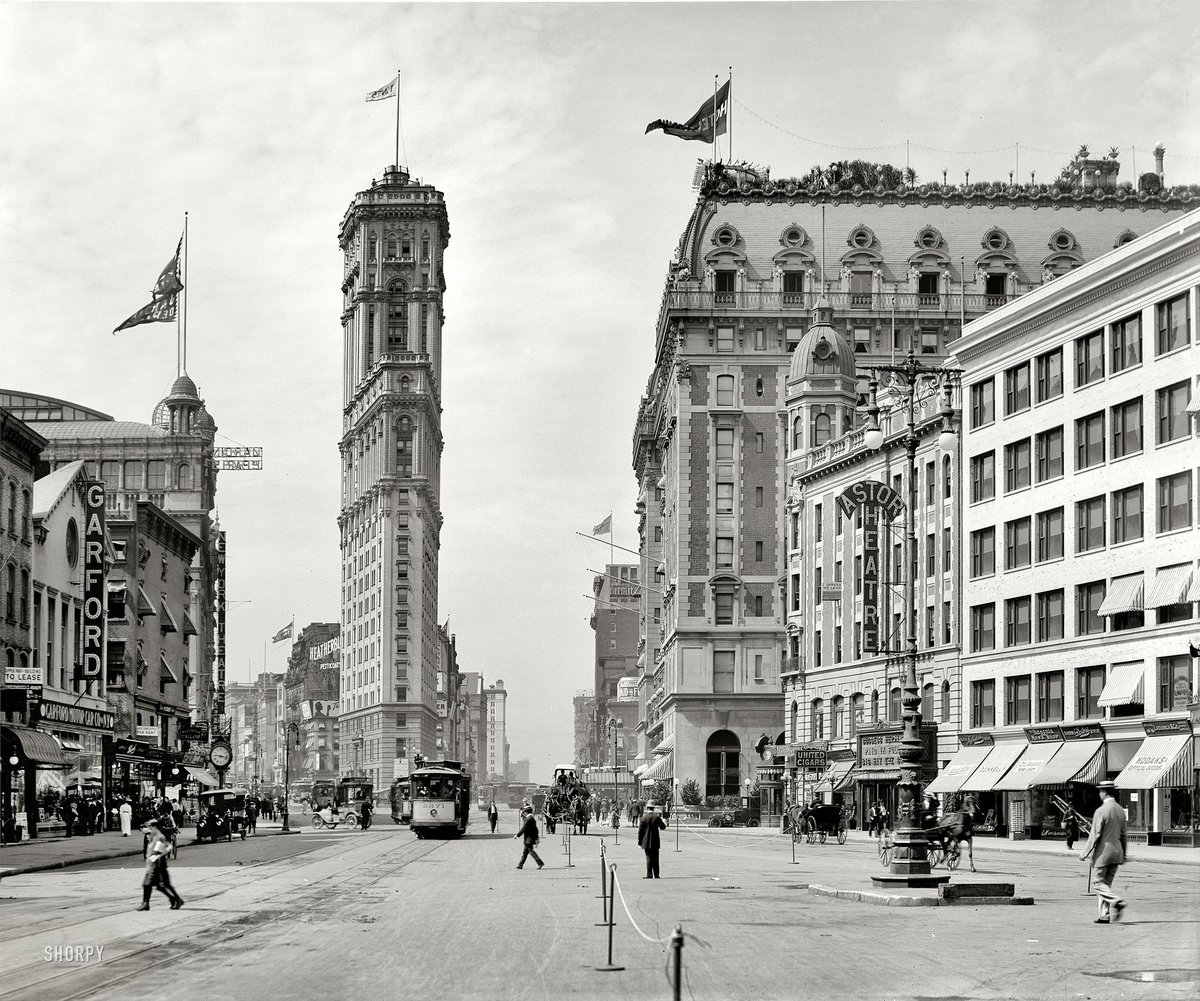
x=929, y=239
x=995, y=239
x=793, y=236
x=726, y=236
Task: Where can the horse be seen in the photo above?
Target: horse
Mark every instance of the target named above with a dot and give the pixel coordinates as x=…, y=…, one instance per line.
x=582, y=816
x=951, y=830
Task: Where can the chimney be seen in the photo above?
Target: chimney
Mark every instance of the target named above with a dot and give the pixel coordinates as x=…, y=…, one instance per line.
x=1159, y=152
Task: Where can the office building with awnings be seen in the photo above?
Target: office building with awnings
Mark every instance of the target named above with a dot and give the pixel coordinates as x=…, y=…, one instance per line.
x=1081, y=532
x=960, y=768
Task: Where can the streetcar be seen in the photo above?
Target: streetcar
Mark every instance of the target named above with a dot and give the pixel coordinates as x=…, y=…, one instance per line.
x=400, y=800
x=440, y=794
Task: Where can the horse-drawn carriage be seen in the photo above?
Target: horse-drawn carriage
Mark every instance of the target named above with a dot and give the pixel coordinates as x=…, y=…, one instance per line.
x=817, y=822
x=567, y=801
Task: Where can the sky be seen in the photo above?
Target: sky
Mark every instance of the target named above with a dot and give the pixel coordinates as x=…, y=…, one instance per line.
x=119, y=118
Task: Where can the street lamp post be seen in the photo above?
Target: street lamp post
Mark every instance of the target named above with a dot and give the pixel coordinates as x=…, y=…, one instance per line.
x=289, y=730
x=910, y=863
x=612, y=725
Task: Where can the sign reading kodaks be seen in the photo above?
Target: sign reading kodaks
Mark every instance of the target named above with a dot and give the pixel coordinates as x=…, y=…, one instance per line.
x=91, y=661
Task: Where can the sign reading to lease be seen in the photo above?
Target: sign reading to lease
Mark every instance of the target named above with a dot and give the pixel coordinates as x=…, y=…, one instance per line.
x=91, y=662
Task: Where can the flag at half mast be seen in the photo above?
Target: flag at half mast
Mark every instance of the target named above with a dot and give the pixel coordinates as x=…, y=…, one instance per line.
x=283, y=634
x=604, y=526
x=163, y=306
x=709, y=121
x=384, y=92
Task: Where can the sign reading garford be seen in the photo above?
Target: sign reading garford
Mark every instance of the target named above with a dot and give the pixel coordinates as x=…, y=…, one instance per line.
x=91, y=661
x=238, y=457
x=72, y=715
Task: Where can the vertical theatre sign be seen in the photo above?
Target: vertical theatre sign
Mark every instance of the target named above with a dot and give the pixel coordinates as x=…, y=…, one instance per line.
x=91, y=663
x=871, y=498
x=219, y=587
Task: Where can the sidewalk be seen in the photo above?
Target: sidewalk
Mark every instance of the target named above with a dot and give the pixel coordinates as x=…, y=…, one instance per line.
x=40, y=854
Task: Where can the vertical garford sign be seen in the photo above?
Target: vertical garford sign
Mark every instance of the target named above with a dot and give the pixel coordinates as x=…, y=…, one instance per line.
x=219, y=586
x=91, y=664
x=872, y=498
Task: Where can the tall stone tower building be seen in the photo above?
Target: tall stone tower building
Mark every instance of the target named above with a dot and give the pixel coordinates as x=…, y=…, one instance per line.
x=393, y=236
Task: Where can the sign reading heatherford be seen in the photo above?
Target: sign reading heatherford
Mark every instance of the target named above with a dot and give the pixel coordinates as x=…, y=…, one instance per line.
x=91, y=661
x=872, y=498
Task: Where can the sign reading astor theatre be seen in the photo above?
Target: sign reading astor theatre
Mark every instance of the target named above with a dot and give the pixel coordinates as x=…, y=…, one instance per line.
x=871, y=497
x=91, y=663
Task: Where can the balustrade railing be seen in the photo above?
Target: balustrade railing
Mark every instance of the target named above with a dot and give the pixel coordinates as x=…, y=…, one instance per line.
x=759, y=301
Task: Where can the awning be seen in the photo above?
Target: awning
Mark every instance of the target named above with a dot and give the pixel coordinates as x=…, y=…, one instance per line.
x=641, y=770
x=40, y=748
x=1170, y=586
x=1028, y=767
x=200, y=775
x=162, y=659
x=144, y=605
x=189, y=628
x=985, y=777
x=69, y=745
x=1076, y=761
x=1193, y=593
x=665, y=745
x=1161, y=762
x=1124, y=595
x=166, y=621
x=1124, y=685
x=661, y=769
x=835, y=776
x=959, y=768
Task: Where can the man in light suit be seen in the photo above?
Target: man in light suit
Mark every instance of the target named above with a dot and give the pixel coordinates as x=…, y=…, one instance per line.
x=1106, y=848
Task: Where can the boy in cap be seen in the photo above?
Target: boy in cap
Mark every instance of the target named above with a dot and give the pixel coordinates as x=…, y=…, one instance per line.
x=1106, y=847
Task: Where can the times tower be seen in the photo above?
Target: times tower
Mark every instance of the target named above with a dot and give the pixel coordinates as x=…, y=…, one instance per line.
x=392, y=236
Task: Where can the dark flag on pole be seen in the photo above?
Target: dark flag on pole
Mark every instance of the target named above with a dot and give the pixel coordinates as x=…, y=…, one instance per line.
x=164, y=301
x=710, y=121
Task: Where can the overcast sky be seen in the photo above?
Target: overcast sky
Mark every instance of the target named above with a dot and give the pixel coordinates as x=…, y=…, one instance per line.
x=117, y=118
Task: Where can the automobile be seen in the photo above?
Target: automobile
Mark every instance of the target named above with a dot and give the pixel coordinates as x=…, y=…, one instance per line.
x=222, y=814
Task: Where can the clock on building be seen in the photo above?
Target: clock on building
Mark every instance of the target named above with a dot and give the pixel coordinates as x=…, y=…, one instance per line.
x=220, y=754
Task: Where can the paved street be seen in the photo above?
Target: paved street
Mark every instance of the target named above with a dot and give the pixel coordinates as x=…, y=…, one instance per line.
x=345, y=911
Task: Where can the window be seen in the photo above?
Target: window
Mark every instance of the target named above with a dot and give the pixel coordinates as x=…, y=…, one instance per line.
x=818, y=522
x=758, y=443
x=724, y=606
x=1126, y=346
x=839, y=521
x=722, y=670
x=1089, y=525
x=817, y=658
x=1088, y=599
x=1172, y=324
x=133, y=475
x=817, y=720
x=1089, y=440
x=724, y=390
x=929, y=340
x=822, y=430
x=1049, y=375
x=983, y=627
x=1049, y=454
x=1017, y=543
x=930, y=555
x=930, y=483
x=1016, y=389
x=1175, y=502
x=793, y=288
x=1017, y=701
x=983, y=704
x=858, y=575
x=983, y=552
x=862, y=340
x=1050, y=616
x=1050, y=697
x=724, y=498
x=1126, y=423
x=894, y=706
x=724, y=552
x=983, y=403
x=1174, y=683
x=983, y=477
x=758, y=604
x=758, y=667
x=1172, y=411
x=930, y=626
x=945, y=622
x=947, y=478
x=1127, y=514
x=725, y=334
x=797, y=434
x=725, y=444
x=1016, y=465
x=758, y=496
x=837, y=644
x=1089, y=358
x=1016, y=622
x=947, y=552
x=817, y=586
x=156, y=475
x=1089, y=683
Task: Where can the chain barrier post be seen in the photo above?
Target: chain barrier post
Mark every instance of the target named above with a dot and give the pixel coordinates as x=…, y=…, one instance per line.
x=603, y=890
x=570, y=864
x=677, y=961
x=612, y=887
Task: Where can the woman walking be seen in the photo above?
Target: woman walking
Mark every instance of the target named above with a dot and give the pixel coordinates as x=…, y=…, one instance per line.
x=156, y=869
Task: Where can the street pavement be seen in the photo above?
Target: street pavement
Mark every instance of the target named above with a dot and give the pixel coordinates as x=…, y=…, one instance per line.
x=380, y=914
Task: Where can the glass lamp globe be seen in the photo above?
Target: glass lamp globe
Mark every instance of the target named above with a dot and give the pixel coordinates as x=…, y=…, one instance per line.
x=873, y=438
x=947, y=440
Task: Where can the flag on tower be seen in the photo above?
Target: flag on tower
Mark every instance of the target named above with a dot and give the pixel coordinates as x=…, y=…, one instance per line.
x=283, y=634
x=709, y=121
x=384, y=92
x=604, y=526
x=164, y=297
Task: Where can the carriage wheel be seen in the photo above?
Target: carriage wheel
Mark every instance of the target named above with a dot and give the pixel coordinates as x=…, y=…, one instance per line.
x=952, y=860
x=823, y=836
x=317, y=822
x=935, y=856
x=714, y=821
x=841, y=835
x=885, y=854
x=351, y=821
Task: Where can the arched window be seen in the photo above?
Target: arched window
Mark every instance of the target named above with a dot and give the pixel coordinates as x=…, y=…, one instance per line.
x=837, y=717
x=894, y=705
x=820, y=430
x=722, y=753
x=817, y=721
x=795, y=720
x=797, y=434
x=24, y=597
x=183, y=477
x=404, y=447
x=397, y=312
x=856, y=712
x=927, y=702
x=946, y=481
x=875, y=706
x=10, y=592
x=405, y=382
x=945, y=707
x=724, y=390
x=26, y=515
x=12, y=509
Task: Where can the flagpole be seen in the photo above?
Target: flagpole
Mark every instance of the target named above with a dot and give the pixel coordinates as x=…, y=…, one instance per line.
x=611, y=557
x=183, y=342
x=729, y=98
x=397, y=119
x=714, y=118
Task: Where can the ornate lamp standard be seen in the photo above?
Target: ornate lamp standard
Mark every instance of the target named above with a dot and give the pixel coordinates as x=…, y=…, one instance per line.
x=290, y=730
x=612, y=726
x=914, y=382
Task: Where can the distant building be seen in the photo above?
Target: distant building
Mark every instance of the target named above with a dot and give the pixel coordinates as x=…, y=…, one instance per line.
x=241, y=706
x=496, y=754
x=473, y=726
x=312, y=686
x=518, y=771
x=615, y=622
x=586, y=733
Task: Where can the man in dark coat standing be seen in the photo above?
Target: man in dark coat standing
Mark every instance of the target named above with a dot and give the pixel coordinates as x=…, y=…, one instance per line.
x=1106, y=847
x=648, y=838
x=493, y=815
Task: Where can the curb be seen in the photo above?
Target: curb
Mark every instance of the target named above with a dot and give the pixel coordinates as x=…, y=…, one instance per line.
x=897, y=900
x=105, y=857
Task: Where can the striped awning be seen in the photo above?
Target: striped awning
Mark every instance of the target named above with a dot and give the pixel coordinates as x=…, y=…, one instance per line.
x=661, y=769
x=1124, y=685
x=1193, y=593
x=202, y=776
x=1161, y=762
x=1076, y=761
x=1124, y=595
x=38, y=747
x=665, y=745
x=835, y=776
x=959, y=768
x=993, y=768
x=1028, y=768
x=1170, y=586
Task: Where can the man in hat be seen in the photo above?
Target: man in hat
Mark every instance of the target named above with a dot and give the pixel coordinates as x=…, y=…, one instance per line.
x=529, y=833
x=1106, y=848
x=648, y=838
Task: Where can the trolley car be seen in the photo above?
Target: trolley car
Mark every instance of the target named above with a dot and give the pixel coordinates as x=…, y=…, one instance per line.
x=440, y=794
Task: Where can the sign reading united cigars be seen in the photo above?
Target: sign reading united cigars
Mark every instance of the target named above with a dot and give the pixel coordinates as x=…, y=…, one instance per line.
x=871, y=497
x=91, y=662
